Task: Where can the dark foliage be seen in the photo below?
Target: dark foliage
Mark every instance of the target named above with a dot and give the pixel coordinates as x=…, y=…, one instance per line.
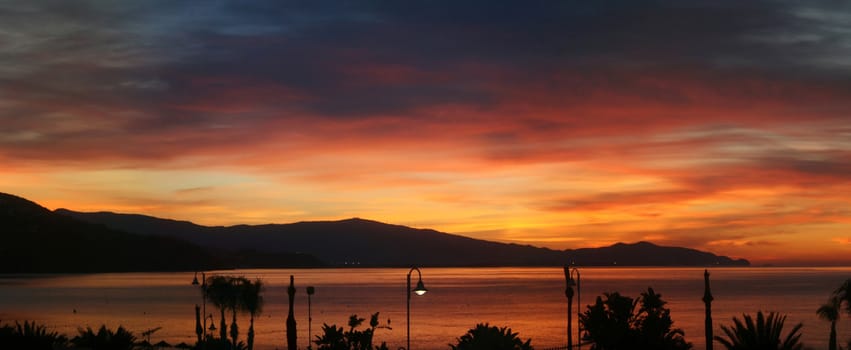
x=105, y=339
x=486, y=337
x=620, y=322
x=334, y=338
x=30, y=336
x=843, y=294
x=212, y=343
x=763, y=334
x=831, y=310
x=235, y=295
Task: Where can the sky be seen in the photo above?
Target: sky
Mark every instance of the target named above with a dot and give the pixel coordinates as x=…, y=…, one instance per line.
x=717, y=125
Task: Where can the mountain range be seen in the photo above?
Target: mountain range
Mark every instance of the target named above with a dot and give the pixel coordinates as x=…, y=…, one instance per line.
x=39, y=238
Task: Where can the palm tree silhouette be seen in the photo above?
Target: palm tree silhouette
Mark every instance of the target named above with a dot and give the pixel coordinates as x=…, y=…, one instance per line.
x=235, y=303
x=830, y=312
x=104, y=338
x=487, y=337
x=30, y=335
x=842, y=295
x=218, y=293
x=764, y=334
x=252, y=301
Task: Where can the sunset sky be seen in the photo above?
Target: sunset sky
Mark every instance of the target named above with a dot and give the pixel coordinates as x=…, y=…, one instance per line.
x=719, y=125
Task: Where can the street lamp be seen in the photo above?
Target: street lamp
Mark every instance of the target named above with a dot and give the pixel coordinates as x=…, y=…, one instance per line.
x=570, y=282
x=203, y=294
x=419, y=290
x=310, y=291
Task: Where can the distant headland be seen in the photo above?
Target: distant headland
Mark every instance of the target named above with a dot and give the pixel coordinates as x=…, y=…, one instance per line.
x=39, y=240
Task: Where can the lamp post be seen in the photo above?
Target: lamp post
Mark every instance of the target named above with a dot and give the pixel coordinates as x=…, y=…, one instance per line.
x=292, y=338
x=570, y=282
x=419, y=290
x=707, y=300
x=203, y=294
x=310, y=291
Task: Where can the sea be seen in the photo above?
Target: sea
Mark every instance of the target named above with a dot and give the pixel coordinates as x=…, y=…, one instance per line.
x=529, y=301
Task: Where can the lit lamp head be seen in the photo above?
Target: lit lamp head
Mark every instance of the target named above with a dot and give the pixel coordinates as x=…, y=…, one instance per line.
x=420, y=288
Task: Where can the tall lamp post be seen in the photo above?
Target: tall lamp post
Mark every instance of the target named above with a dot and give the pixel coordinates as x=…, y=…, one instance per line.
x=310, y=291
x=292, y=339
x=570, y=282
x=420, y=289
x=203, y=293
x=707, y=300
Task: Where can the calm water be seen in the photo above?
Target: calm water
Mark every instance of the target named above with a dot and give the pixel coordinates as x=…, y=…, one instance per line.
x=529, y=300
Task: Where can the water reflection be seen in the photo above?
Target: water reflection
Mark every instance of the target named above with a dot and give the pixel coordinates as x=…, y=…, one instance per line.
x=529, y=300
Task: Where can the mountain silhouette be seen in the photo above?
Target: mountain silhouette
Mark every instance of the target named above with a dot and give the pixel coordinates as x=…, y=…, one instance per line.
x=35, y=239
x=362, y=242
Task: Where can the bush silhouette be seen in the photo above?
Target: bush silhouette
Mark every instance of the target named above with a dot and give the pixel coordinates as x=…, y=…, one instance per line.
x=764, y=334
x=620, y=322
x=30, y=336
x=104, y=339
x=213, y=343
x=486, y=337
x=334, y=338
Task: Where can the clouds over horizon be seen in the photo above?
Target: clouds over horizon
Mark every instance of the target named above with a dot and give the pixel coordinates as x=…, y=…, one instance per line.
x=704, y=124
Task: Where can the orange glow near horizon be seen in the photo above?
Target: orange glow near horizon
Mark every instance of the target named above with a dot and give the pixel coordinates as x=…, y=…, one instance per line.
x=335, y=113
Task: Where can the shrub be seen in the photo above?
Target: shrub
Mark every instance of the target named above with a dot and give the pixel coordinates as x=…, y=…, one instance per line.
x=764, y=334
x=486, y=337
x=620, y=322
x=30, y=336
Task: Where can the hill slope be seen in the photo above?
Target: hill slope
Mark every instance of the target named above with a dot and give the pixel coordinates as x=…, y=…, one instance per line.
x=370, y=243
x=38, y=240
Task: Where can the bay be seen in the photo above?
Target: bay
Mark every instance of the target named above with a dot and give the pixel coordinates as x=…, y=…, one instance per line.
x=530, y=301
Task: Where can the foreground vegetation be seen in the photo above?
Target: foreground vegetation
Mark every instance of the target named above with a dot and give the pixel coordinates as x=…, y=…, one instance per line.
x=613, y=322
x=620, y=322
x=30, y=335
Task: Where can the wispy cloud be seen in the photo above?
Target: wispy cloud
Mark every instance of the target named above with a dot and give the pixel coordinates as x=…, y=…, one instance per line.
x=714, y=125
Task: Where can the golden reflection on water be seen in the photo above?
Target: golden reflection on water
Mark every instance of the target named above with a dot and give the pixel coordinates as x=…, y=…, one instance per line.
x=529, y=300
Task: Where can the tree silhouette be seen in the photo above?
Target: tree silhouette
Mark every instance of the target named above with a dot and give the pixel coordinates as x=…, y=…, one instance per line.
x=218, y=293
x=829, y=311
x=30, y=336
x=334, y=338
x=235, y=294
x=620, y=322
x=842, y=295
x=104, y=339
x=252, y=300
x=655, y=325
x=487, y=337
x=236, y=303
x=764, y=334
